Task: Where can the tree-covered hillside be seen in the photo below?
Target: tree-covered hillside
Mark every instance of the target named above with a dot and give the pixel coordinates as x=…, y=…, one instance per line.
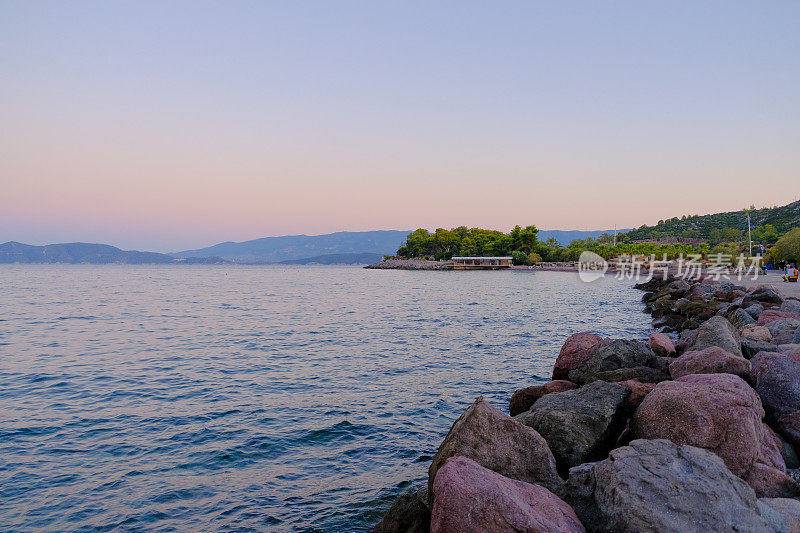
x=770, y=223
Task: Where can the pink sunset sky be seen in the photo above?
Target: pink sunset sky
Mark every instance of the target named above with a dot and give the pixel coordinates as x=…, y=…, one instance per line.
x=174, y=126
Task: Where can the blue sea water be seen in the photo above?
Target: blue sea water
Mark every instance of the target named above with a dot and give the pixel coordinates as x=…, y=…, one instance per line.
x=233, y=398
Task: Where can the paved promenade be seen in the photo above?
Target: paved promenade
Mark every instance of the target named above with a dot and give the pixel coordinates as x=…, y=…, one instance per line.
x=773, y=279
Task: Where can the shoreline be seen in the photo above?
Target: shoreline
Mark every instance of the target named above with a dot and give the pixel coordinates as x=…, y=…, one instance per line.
x=682, y=429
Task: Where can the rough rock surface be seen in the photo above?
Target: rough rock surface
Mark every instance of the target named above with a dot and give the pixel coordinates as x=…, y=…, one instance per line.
x=752, y=347
x=777, y=382
x=718, y=412
x=755, y=310
x=791, y=305
x=408, y=514
x=618, y=360
x=661, y=345
x=500, y=443
x=717, y=331
x=713, y=360
x=580, y=425
x=783, y=330
x=763, y=295
x=739, y=318
x=782, y=514
x=522, y=399
x=756, y=332
x=576, y=349
x=638, y=391
x=469, y=497
x=656, y=485
x=771, y=315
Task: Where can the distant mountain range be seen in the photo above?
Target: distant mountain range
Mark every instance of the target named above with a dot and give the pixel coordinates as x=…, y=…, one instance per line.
x=80, y=252
x=293, y=247
x=357, y=247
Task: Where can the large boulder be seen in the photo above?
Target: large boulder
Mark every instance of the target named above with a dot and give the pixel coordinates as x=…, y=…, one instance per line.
x=763, y=295
x=576, y=349
x=408, y=514
x=740, y=318
x=469, y=497
x=718, y=412
x=618, y=360
x=580, y=425
x=661, y=345
x=713, y=360
x=796, y=339
x=791, y=305
x=659, y=486
x=783, y=330
x=522, y=399
x=771, y=315
x=756, y=332
x=755, y=310
x=500, y=443
x=717, y=331
x=782, y=514
x=777, y=382
x=752, y=347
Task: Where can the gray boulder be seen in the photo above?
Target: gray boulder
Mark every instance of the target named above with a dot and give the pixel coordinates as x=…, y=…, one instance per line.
x=777, y=382
x=408, y=514
x=739, y=318
x=782, y=514
x=783, y=330
x=659, y=486
x=500, y=443
x=615, y=360
x=791, y=306
x=755, y=310
x=750, y=347
x=717, y=331
x=764, y=295
x=580, y=425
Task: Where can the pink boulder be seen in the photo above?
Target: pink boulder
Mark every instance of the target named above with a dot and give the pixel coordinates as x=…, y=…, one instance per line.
x=661, y=345
x=771, y=315
x=638, y=391
x=523, y=399
x=577, y=349
x=718, y=412
x=469, y=497
x=713, y=360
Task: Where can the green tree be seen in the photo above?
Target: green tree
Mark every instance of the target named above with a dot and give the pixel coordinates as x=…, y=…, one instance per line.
x=788, y=247
x=519, y=257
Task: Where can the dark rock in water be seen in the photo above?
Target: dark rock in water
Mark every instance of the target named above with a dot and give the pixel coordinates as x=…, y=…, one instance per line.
x=471, y=498
x=783, y=330
x=751, y=347
x=777, y=382
x=617, y=360
x=522, y=399
x=713, y=360
x=500, y=443
x=763, y=295
x=782, y=514
x=740, y=318
x=580, y=425
x=658, y=486
x=661, y=345
x=717, y=331
x=755, y=310
x=718, y=412
x=408, y=514
x=576, y=349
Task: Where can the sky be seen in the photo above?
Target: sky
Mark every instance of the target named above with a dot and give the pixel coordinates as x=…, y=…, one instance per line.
x=174, y=125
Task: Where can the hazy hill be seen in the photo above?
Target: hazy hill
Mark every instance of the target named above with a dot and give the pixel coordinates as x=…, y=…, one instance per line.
x=290, y=247
x=76, y=252
x=564, y=237
x=783, y=218
x=365, y=258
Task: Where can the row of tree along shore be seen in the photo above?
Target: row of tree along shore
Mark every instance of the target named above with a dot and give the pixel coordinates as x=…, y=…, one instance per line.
x=526, y=249
x=695, y=432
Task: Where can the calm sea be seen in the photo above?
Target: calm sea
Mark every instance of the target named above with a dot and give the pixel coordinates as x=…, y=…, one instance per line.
x=169, y=398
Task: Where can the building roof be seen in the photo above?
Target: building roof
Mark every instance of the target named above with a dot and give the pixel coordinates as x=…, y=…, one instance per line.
x=488, y=257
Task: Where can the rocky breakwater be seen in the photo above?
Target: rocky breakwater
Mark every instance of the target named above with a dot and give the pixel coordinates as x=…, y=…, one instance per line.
x=635, y=435
x=411, y=264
